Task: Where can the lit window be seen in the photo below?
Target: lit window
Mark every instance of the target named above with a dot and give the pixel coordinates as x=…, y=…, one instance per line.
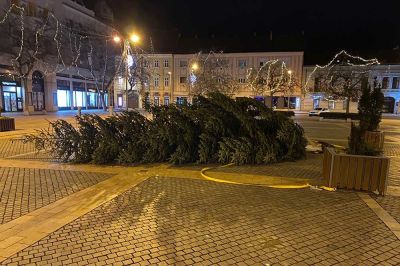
x=156, y=101
x=166, y=100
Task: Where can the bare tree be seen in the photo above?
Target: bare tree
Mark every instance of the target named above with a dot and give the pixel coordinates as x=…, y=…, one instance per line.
x=272, y=78
x=210, y=73
x=344, y=83
x=32, y=41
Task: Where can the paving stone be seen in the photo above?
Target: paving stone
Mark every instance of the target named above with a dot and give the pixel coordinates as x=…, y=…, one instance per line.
x=201, y=222
x=23, y=190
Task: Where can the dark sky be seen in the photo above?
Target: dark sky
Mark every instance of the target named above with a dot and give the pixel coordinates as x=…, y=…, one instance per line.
x=315, y=26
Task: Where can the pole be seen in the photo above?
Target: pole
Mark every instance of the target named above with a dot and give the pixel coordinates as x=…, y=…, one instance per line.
x=126, y=76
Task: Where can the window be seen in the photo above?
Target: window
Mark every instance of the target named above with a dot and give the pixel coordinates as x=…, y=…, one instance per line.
x=156, y=63
x=181, y=100
x=262, y=63
x=156, y=101
x=385, y=83
x=242, y=63
x=166, y=82
x=242, y=80
x=316, y=103
x=344, y=104
x=331, y=105
x=395, y=83
x=119, y=100
x=166, y=63
x=166, y=100
x=183, y=63
x=182, y=80
x=156, y=81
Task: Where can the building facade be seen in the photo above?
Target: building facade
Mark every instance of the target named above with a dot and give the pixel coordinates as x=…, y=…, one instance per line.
x=65, y=87
x=387, y=76
x=171, y=74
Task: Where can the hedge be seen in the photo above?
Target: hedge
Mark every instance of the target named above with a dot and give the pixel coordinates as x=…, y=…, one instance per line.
x=335, y=115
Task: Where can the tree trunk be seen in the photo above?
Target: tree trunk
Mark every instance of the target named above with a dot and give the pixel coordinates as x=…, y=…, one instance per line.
x=103, y=101
x=26, y=94
x=272, y=100
x=347, y=105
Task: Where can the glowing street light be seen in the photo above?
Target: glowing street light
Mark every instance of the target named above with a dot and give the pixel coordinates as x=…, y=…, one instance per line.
x=290, y=72
x=195, y=66
x=135, y=38
x=117, y=39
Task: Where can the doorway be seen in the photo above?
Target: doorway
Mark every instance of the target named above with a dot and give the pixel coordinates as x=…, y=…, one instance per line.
x=10, y=101
x=38, y=91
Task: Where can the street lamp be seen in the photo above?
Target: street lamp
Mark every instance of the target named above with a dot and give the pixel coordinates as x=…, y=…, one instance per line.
x=195, y=67
x=135, y=38
x=117, y=39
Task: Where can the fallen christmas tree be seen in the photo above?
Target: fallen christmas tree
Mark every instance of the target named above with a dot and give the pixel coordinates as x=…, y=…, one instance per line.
x=212, y=129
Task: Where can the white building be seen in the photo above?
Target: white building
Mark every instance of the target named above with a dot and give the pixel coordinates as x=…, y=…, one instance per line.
x=388, y=76
x=67, y=88
x=170, y=74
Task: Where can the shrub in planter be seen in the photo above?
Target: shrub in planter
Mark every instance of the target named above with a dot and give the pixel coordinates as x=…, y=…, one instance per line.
x=370, y=110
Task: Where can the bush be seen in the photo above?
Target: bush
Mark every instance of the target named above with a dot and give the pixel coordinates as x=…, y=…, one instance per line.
x=336, y=115
x=212, y=129
x=357, y=145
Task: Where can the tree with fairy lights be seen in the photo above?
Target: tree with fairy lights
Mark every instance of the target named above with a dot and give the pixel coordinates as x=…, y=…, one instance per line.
x=31, y=42
x=272, y=78
x=343, y=77
x=210, y=73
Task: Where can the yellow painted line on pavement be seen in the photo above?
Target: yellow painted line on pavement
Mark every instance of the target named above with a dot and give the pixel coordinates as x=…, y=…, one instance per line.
x=205, y=176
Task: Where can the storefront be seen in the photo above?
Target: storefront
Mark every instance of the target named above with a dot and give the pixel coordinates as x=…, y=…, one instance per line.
x=92, y=96
x=11, y=95
x=79, y=94
x=63, y=94
x=38, y=91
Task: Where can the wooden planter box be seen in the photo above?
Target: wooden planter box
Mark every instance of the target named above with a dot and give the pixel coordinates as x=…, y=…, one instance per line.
x=375, y=139
x=7, y=124
x=367, y=173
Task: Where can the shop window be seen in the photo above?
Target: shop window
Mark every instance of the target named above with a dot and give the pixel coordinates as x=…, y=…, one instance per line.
x=395, y=83
x=166, y=100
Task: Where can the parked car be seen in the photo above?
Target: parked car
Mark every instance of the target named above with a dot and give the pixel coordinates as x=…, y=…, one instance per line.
x=318, y=111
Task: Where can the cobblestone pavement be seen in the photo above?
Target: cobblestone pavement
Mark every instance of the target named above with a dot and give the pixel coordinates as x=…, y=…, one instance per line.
x=185, y=221
x=391, y=204
x=23, y=190
x=310, y=168
x=9, y=147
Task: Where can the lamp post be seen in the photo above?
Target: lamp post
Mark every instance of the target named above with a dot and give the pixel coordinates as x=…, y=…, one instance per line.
x=134, y=39
x=290, y=84
x=194, y=68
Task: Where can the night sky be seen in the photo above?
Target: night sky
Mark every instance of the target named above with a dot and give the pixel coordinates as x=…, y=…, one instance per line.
x=318, y=27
